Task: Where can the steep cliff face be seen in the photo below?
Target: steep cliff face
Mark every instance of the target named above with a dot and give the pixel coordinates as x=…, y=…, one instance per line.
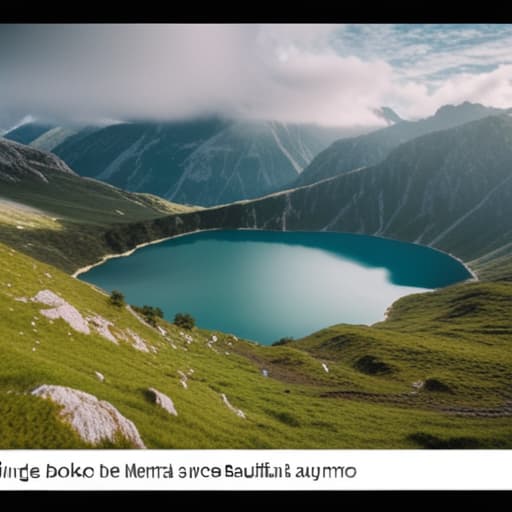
x=205, y=162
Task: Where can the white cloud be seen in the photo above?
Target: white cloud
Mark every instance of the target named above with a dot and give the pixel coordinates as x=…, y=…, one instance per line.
x=302, y=73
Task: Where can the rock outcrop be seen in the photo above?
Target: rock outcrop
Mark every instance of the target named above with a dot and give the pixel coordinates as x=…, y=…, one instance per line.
x=61, y=309
x=163, y=401
x=238, y=412
x=94, y=420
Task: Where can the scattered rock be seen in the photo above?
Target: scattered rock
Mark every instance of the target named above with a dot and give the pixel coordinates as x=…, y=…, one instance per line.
x=48, y=275
x=101, y=325
x=21, y=299
x=325, y=367
x=187, y=337
x=213, y=339
x=161, y=330
x=163, y=401
x=94, y=420
x=61, y=309
x=238, y=412
x=418, y=384
x=184, y=379
x=99, y=376
x=138, y=342
x=264, y=372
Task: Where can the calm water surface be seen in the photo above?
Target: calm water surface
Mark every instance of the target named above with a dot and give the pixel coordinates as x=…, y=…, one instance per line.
x=264, y=285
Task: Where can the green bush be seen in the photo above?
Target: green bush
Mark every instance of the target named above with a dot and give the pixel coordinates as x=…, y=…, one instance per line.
x=150, y=313
x=184, y=320
x=433, y=384
x=283, y=341
x=117, y=299
x=371, y=365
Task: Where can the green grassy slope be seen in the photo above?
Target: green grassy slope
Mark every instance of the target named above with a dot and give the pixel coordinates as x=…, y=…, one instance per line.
x=49, y=212
x=298, y=406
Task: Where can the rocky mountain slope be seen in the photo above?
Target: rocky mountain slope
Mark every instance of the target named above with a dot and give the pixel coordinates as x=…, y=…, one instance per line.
x=205, y=162
x=366, y=150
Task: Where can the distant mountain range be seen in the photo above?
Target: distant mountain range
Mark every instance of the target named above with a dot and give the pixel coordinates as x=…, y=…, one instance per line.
x=27, y=132
x=205, y=162
x=370, y=149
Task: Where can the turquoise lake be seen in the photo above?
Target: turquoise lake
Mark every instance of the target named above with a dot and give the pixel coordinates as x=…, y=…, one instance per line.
x=263, y=285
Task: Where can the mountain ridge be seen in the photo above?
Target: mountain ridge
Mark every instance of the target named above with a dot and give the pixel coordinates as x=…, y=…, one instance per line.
x=205, y=162
x=367, y=150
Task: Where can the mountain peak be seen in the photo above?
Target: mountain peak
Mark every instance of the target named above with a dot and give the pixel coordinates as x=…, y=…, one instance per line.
x=465, y=109
x=388, y=114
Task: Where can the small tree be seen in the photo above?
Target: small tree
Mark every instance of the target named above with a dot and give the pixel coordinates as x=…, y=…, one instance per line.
x=117, y=299
x=184, y=320
x=283, y=341
x=150, y=313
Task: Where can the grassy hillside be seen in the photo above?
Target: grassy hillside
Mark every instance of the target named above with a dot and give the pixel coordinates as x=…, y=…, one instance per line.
x=366, y=400
x=49, y=212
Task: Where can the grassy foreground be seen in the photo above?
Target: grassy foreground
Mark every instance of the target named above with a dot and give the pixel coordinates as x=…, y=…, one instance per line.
x=455, y=344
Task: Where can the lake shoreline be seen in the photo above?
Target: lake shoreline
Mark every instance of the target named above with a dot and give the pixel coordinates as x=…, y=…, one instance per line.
x=392, y=260
x=82, y=270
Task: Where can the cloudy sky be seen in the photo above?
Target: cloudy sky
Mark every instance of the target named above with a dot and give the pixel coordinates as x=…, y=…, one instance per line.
x=328, y=74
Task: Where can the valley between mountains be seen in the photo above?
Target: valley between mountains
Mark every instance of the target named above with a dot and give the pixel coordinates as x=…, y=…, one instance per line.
x=80, y=372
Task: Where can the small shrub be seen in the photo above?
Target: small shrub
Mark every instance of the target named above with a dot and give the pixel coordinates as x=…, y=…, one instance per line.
x=437, y=385
x=150, y=313
x=184, y=320
x=117, y=299
x=283, y=341
x=284, y=417
x=452, y=443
